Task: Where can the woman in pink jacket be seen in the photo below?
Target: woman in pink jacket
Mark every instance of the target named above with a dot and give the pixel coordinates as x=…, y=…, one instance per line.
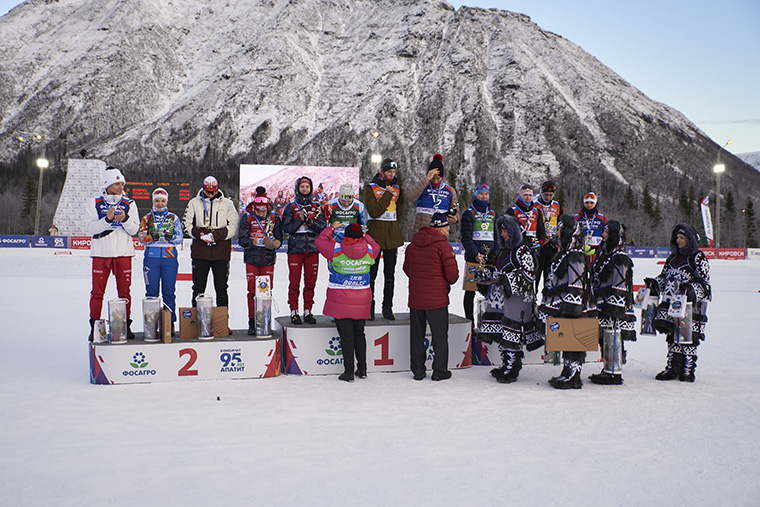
x=349, y=297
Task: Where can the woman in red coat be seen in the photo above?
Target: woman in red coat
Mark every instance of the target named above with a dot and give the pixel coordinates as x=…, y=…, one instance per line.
x=431, y=266
x=348, y=294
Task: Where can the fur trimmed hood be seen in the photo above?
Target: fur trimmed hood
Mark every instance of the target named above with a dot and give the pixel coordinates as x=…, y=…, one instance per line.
x=616, y=237
x=569, y=233
x=512, y=226
x=692, y=246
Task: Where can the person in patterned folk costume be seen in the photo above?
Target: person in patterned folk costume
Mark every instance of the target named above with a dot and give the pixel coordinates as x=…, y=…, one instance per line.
x=686, y=271
x=160, y=231
x=260, y=235
x=303, y=220
x=112, y=220
x=550, y=212
x=593, y=224
x=348, y=295
x=514, y=297
x=384, y=205
x=529, y=214
x=431, y=195
x=566, y=295
x=612, y=282
x=478, y=224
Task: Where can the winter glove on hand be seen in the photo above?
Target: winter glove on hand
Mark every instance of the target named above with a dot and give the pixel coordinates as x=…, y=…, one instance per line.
x=168, y=235
x=271, y=243
x=154, y=236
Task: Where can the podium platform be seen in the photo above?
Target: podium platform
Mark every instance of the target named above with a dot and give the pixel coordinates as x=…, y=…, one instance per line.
x=237, y=356
x=315, y=349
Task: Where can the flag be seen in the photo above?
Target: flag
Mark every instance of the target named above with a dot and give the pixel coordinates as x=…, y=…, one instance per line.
x=707, y=221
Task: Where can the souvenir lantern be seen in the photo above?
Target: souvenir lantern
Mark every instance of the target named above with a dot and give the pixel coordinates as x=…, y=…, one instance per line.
x=612, y=351
x=151, y=318
x=205, y=309
x=117, y=320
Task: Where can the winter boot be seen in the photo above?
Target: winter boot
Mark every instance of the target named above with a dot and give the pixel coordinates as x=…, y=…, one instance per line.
x=92, y=329
x=308, y=317
x=689, y=364
x=607, y=379
x=372, y=311
x=512, y=366
x=347, y=376
x=570, y=378
x=388, y=313
x=674, y=365
x=130, y=334
x=252, y=327
x=295, y=318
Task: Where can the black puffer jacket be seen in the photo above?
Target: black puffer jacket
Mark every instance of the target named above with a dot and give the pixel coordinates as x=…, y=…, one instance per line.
x=301, y=235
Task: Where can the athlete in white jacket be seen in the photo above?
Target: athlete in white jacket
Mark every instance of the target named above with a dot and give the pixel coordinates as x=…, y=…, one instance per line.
x=112, y=220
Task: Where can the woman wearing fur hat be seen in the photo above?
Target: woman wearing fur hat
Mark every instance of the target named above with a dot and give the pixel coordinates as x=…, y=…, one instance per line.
x=513, y=296
x=260, y=235
x=303, y=220
x=566, y=294
x=112, y=220
x=431, y=195
x=348, y=294
x=160, y=230
x=612, y=281
x=686, y=272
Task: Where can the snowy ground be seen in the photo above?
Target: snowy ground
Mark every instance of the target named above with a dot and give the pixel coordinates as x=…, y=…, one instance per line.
x=386, y=440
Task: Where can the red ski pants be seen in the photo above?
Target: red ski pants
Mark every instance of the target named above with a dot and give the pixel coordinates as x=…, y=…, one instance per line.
x=309, y=263
x=101, y=270
x=251, y=272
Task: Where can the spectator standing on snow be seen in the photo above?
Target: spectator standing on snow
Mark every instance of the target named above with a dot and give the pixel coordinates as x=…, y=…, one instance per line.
x=431, y=266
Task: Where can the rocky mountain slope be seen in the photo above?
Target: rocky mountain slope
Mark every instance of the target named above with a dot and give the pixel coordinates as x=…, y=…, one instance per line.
x=202, y=85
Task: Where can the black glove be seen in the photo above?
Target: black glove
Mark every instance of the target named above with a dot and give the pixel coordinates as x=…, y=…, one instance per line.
x=168, y=235
x=154, y=236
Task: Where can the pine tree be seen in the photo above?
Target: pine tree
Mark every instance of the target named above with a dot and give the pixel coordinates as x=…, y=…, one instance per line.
x=684, y=206
x=728, y=218
x=629, y=200
x=750, y=229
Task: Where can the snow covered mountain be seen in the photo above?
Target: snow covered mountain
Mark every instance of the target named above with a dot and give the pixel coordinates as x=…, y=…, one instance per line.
x=752, y=158
x=148, y=83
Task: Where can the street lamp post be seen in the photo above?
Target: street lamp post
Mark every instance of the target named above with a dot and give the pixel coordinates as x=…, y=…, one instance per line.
x=718, y=169
x=42, y=163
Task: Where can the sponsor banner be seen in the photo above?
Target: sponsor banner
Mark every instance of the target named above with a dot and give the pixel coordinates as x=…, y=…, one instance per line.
x=662, y=251
x=141, y=362
x=316, y=350
x=138, y=245
x=640, y=251
x=80, y=242
x=236, y=246
x=458, y=248
x=732, y=253
x=709, y=252
x=707, y=221
x=14, y=241
x=50, y=242
x=753, y=254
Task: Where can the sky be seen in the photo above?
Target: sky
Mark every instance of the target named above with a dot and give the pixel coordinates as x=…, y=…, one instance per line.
x=700, y=57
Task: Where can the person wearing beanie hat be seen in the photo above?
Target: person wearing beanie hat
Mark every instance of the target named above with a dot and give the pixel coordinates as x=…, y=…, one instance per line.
x=567, y=295
x=211, y=220
x=431, y=195
x=529, y=214
x=432, y=268
x=686, y=273
x=112, y=220
x=348, y=294
x=303, y=219
x=383, y=199
x=478, y=242
x=160, y=231
x=259, y=235
x=550, y=213
x=593, y=224
x=344, y=210
x=612, y=284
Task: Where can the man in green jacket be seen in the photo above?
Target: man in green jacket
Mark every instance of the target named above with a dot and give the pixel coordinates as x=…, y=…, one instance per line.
x=382, y=200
